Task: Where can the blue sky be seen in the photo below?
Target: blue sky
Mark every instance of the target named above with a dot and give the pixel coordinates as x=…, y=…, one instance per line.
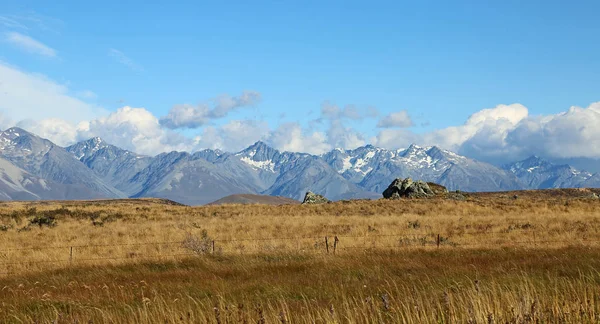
x=439, y=62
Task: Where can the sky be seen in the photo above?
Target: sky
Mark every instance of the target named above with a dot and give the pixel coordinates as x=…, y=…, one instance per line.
x=496, y=81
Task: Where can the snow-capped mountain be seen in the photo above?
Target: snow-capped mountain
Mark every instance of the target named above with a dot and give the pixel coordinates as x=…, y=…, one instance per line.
x=112, y=164
x=35, y=168
x=372, y=168
x=43, y=159
x=536, y=172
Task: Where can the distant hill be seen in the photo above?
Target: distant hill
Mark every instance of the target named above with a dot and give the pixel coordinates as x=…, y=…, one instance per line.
x=248, y=199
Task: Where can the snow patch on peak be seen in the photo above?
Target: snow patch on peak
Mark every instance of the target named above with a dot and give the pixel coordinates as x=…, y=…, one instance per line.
x=264, y=165
x=346, y=164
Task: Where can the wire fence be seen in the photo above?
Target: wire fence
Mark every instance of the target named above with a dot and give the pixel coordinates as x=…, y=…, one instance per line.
x=140, y=251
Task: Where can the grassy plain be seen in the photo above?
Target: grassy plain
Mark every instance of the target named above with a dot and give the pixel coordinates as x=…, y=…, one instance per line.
x=500, y=259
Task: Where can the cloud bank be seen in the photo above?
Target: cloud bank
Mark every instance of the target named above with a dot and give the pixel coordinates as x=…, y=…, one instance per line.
x=25, y=95
x=399, y=119
x=188, y=116
x=500, y=134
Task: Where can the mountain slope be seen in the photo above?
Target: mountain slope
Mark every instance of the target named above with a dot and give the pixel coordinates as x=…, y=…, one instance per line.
x=43, y=159
x=374, y=168
x=293, y=174
x=18, y=184
x=112, y=164
x=538, y=173
x=186, y=179
x=248, y=199
x=35, y=168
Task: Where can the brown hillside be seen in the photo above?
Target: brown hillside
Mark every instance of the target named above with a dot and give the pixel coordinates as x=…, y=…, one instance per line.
x=249, y=199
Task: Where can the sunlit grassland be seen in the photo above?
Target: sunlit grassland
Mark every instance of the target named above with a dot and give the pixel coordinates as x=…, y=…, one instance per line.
x=500, y=285
x=500, y=259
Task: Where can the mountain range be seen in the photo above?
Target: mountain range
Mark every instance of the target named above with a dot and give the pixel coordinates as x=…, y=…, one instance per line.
x=33, y=168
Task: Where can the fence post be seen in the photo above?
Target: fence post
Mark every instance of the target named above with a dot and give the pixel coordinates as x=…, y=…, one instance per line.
x=71, y=255
x=335, y=242
x=438, y=240
x=213, y=247
x=326, y=244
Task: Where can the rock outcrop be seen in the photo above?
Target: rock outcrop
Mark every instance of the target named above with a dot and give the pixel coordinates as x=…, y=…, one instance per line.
x=437, y=189
x=407, y=188
x=313, y=198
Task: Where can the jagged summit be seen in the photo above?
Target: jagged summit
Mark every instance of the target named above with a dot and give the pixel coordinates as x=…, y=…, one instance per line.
x=88, y=148
x=538, y=172
x=95, y=168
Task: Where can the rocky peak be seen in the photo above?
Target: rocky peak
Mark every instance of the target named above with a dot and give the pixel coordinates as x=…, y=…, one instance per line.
x=88, y=148
x=209, y=155
x=533, y=163
x=259, y=151
x=18, y=141
x=14, y=133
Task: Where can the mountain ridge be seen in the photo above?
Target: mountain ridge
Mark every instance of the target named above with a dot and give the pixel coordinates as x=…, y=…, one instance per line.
x=27, y=160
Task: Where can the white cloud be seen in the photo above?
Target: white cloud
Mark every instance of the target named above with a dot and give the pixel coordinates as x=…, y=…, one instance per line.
x=500, y=134
x=341, y=136
x=188, y=116
x=395, y=138
x=399, y=119
x=29, y=44
x=58, y=131
x=5, y=122
x=291, y=137
x=226, y=103
x=486, y=125
x=25, y=95
x=508, y=132
x=135, y=129
x=125, y=60
x=332, y=111
x=233, y=136
x=574, y=133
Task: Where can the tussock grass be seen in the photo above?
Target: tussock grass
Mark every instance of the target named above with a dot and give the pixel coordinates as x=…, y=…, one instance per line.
x=530, y=259
x=416, y=286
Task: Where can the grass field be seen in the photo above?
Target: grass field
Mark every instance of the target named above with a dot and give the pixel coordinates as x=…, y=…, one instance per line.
x=499, y=259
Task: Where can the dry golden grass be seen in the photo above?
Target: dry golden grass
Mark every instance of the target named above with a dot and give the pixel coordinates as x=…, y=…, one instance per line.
x=500, y=259
x=415, y=286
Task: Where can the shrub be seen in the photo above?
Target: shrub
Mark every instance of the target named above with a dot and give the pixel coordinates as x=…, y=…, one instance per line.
x=198, y=245
x=43, y=220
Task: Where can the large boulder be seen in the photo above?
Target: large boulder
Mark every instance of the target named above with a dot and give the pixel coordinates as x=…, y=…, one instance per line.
x=313, y=198
x=437, y=189
x=407, y=188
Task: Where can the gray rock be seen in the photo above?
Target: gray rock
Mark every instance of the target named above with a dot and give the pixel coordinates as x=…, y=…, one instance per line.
x=456, y=196
x=313, y=198
x=407, y=188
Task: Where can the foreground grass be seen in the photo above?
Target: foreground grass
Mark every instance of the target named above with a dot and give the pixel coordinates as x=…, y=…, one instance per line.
x=39, y=235
x=413, y=286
